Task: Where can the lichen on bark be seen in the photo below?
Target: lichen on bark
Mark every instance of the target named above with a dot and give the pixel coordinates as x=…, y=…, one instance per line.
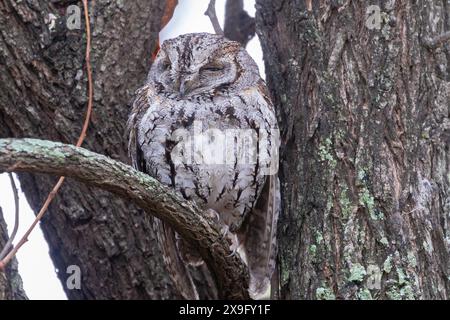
x=358, y=164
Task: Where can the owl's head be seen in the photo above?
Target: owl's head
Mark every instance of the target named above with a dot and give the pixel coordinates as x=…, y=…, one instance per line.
x=202, y=64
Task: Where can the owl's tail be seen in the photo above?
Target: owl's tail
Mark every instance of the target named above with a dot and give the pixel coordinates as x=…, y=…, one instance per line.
x=175, y=266
x=259, y=238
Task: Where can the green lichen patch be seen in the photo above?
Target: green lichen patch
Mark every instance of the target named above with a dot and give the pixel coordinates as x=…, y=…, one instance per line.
x=324, y=293
x=319, y=237
x=384, y=241
x=312, y=250
x=366, y=199
x=325, y=153
x=401, y=277
x=374, y=277
x=357, y=273
x=387, y=265
x=401, y=288
x=407, y=292
x=394, y=294
x=404, y=293
x=412, y=261
x=364, y=294
x=345, y=203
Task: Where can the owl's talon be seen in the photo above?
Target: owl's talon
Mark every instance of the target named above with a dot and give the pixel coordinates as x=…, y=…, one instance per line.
x=225, y=230
x=213, y=214
x=233, y=239
x=233, y=253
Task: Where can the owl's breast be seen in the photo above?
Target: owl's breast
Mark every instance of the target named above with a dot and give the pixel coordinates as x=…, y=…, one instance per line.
x=213, y=152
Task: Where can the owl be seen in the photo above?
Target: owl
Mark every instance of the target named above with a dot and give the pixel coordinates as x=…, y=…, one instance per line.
x=204, y=125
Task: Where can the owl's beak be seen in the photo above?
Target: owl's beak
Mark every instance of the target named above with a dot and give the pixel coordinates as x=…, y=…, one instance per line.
x=187, y=86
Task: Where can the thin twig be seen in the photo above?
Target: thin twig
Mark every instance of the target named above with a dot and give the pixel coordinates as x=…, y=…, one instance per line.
x=41, y=213
x=80, y=141
x=211, y=13
x=16, y=217
x=89, y=74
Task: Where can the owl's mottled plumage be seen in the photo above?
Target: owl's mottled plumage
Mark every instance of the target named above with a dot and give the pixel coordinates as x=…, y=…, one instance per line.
x=204, y=125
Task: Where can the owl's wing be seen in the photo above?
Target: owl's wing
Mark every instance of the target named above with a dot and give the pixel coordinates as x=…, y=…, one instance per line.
x=177, y=269
x=259, y=237
x=166, y=235
x=258, y=233
x=140, y=105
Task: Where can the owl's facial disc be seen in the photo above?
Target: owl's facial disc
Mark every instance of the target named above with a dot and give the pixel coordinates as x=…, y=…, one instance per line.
x=185, y=76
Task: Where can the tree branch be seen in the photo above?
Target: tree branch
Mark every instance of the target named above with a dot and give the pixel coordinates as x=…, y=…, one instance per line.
x=239, y=26
x=211, y=13
x=185, y=217
x=9, y=243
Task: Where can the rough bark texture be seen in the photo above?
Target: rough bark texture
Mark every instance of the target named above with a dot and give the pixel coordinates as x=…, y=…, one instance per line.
x=197, y=227
x=365, y=166
x=43, y=94
x=10, y=281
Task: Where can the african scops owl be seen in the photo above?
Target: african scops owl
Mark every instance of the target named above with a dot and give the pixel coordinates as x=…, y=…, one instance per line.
x=204, y=124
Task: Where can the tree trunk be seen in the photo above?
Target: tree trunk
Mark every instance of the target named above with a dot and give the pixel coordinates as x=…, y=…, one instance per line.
x=43, y=95
x=365, y=165
x=10, y=281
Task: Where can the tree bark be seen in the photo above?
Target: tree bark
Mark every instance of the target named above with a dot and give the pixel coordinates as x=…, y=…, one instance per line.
x=10, y=280
x=43, y=95
x=239, y=26
x=365, y=163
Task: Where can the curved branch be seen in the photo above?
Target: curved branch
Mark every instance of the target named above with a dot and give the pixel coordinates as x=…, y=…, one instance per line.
x=185, y=217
